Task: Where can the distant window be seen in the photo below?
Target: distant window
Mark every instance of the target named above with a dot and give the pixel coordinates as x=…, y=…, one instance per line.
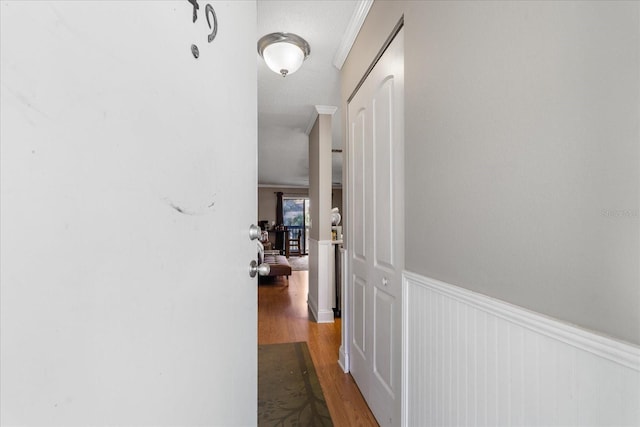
x=295, y=214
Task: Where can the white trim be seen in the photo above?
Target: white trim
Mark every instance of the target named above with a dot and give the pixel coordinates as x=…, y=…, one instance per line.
x=302, y=187
x=320, y=316
x=325, y=316
x=343, y=354
x=608, y=348
x=404, y=353
x=326, y=293
x=343, y=360
x=319, y=109
x=312, y=121
x=320, y=296
x=350, y=34
x=326, y=109
x=470, y=359
x=326, y=242
x=312, y=306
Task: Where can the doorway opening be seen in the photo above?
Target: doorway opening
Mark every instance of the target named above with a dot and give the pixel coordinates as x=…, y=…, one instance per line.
x=295, y=214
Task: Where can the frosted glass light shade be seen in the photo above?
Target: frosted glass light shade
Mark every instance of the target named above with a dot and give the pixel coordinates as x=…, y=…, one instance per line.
x=283, y=53
x=283, y=58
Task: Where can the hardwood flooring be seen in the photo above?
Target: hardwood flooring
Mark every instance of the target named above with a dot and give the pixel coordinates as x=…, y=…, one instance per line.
x=283, y=317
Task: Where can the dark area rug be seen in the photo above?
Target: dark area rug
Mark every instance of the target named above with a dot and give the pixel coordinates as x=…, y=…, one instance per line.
x=289, y=392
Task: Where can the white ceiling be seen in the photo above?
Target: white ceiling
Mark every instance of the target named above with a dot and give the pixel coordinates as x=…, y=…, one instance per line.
x=286, y=105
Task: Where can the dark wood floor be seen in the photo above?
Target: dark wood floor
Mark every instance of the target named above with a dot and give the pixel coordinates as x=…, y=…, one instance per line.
x=282, y=317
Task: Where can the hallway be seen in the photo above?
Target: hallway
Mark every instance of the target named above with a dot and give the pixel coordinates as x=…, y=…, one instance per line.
x=283, y=317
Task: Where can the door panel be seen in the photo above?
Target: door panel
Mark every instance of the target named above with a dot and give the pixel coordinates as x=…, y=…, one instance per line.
x=359, y=295
x=358, y=167
x=383, y=339
x=128, y=186
x=377, y=238
x=383, y=173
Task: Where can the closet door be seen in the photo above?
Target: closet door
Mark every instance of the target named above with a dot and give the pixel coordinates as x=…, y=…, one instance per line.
x=376, y=242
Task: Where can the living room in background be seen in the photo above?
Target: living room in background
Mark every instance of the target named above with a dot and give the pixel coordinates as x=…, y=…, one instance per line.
x=295, y=213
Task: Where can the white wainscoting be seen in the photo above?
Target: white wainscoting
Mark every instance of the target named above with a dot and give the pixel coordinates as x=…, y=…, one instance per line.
x=321, y=283
x=473, y=360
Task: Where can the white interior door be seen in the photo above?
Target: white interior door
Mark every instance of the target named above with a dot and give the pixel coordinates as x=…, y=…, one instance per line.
x=376, y=233
x=128, y=184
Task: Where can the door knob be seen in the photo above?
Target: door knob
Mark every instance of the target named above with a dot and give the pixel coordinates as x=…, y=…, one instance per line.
x=254, y=232
x=261, y=270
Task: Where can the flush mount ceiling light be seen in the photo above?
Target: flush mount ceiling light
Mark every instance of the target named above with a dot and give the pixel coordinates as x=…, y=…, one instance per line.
x=283, y=52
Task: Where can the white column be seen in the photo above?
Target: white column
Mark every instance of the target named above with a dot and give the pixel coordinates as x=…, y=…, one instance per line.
x=321, y=281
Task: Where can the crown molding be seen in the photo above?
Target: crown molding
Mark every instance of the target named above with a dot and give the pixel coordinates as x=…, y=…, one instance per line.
x=326, y=109
x=319, y=109
x=349, y=36
x=312, y=121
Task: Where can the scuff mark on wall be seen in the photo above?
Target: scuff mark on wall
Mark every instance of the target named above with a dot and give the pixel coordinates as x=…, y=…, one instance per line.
x=179, y=209
x=200, y=211
x=24, y=100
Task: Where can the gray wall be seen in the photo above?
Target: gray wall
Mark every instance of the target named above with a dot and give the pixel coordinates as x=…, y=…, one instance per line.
x=522, y=152
x=320, y=178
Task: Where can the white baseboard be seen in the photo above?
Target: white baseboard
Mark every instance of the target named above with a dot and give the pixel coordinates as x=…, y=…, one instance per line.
x=319, y=316
x=343, y=359
x=325, y=316
x=470, y=359
x=312, y=306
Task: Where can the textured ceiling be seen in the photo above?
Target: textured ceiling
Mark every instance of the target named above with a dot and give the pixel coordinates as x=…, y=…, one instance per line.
x=286, y=105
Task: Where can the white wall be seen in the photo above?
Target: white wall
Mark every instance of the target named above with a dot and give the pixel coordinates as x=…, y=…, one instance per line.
x=522, y=154
x=110, y=297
